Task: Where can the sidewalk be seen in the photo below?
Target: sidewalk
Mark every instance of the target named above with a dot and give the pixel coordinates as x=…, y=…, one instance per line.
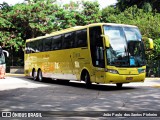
x=152, y=78
x=154, y=82
x=11, y=74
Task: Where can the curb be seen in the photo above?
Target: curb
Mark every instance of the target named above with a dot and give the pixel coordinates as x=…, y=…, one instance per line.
x=11, y=74
x=152, y=78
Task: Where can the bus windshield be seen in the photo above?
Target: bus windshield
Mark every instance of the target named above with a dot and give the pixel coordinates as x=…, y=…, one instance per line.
x=126, y=46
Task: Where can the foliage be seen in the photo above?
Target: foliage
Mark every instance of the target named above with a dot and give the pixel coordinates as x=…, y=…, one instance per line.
x=109, y=14
x=25, y=21
x=91, y=12
x=39, y=17
x=148, y=5
x=157, y=49
x=148, y=23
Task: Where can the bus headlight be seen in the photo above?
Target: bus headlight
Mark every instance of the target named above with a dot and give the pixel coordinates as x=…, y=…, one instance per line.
x=141, y=70
x=111, y=71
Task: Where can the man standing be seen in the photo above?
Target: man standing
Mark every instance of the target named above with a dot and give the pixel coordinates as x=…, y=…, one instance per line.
x=2, y=62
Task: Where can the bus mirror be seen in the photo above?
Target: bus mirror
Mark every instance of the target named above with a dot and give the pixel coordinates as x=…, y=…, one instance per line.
x=7, y=53
x=148, y=43
x=106, y=40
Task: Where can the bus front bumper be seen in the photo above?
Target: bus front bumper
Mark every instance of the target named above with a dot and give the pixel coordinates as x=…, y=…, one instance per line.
x=117, y=78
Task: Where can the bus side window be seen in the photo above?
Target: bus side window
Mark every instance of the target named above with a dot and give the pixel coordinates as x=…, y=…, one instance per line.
x=40, y=45
x=27, y=49
x=57, y=42
x=81, y=38
x=47, y=44
x=69, y=39
x=32, y=47
x=36, y=46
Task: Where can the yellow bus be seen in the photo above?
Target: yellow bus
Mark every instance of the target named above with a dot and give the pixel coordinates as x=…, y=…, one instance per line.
x=96, y=53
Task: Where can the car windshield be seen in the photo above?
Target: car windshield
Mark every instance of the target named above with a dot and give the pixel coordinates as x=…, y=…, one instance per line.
x=126, y=46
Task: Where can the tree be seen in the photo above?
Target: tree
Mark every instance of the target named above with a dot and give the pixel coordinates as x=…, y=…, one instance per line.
x=147, y=7
x=40, y=17
x=124, y=4
x=109, y=14
x=91, y=12
x=148, y=23
x=24, y=21
x=157, y=49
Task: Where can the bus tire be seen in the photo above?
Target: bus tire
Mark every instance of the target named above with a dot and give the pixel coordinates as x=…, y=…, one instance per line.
x=86, y=79
x=119, y=85
x=34, y=74
x=39, y=75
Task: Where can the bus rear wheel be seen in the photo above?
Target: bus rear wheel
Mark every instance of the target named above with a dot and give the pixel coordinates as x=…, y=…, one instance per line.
x=119, y=85
x=39, y=76
x=86, y=78
x=34, y=74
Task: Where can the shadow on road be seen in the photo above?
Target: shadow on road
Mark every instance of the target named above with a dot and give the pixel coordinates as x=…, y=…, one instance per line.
x=101, y=87
x=61, y=95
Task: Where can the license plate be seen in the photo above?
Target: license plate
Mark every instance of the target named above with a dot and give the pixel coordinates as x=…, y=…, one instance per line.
x=129, y=78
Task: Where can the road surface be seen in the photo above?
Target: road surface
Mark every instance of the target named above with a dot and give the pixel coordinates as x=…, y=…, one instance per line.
x=18, y=93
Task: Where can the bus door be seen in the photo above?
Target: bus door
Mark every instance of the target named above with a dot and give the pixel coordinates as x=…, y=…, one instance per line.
x=97, y=53
x=80, y=53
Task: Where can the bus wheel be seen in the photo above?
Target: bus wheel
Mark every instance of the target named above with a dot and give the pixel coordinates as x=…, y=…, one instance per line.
x=86, y=78
x=39, y=76
x=119, y=85
x=34, y=74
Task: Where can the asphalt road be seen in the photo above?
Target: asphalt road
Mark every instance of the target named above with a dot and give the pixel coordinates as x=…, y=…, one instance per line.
x=18, y=93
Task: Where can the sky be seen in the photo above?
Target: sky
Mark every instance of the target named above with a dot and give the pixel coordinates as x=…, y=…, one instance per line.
x=103, y=3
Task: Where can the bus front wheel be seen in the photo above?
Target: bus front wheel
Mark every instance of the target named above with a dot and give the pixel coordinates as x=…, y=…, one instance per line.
x=86, y=79
x=119, y=85
x=39, y=76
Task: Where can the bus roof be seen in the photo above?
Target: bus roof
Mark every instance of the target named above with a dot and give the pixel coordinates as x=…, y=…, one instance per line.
x=112, y=24
x=77, y=28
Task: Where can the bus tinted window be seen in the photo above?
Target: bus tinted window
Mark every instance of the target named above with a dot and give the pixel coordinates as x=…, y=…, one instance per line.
x=63, y=41
x=40, y=45
x=36, y=46
x=68, y=41
x=82, y=38
x=47, y=44
x=57, y=42
x=27, y=49
x=33, y=46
